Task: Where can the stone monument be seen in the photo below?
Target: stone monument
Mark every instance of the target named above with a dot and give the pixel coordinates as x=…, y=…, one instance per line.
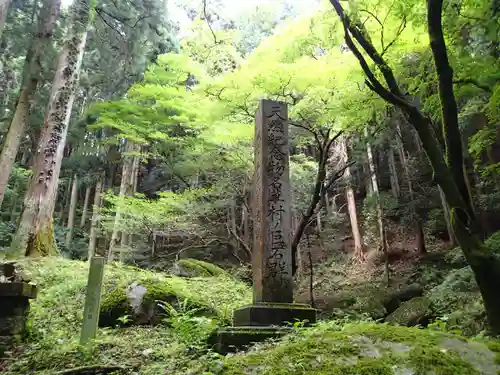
x=272, y=257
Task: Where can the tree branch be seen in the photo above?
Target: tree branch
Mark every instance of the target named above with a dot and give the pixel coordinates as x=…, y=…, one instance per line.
x=208, y=22
x=451, y=131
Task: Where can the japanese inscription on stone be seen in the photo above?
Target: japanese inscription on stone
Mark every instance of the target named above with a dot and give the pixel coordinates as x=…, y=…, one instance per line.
x=272, y=252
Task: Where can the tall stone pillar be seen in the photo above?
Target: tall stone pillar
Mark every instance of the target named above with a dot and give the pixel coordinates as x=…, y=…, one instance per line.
x=273, y=309
x=272, y=257
x=271, y=207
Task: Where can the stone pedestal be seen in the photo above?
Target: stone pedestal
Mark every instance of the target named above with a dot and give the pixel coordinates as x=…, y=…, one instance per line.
x=232, y=339
x=274, y=314
x=14, y=308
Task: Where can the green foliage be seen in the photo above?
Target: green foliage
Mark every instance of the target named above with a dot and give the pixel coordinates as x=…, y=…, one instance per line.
x=188, y=328
x=57, y=312
x=457, y=300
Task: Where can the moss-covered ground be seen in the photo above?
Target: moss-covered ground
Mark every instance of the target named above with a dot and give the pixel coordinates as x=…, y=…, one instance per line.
x=178, y=347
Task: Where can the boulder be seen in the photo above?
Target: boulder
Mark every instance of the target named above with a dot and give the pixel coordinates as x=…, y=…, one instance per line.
x=188, y=267
x=365, y=349
x=145, y=302
x=395, y=298
x=414, y=312
x=358, y=302
x=458, y=299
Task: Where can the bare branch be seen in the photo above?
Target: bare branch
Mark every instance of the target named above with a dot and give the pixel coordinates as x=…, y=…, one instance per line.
x=208, y=22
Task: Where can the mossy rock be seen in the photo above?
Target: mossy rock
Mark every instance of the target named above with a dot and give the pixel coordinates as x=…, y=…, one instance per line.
x=458, y=299
x=114, y=305
x=363, y=349
x=358, y=300
x=146, y=302
x=197, y=268
x=413, y=312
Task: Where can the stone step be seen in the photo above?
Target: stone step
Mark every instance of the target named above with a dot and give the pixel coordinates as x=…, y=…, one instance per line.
x=233, y=339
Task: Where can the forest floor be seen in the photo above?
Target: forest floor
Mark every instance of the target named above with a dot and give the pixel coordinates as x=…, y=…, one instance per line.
x=361, y=328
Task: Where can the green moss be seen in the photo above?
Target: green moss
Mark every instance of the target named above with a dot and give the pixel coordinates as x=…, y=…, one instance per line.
x=365, y=366
x=43, y=244
x=200, y=268
x=494, y=346
x=114, y=305
x=426, y=359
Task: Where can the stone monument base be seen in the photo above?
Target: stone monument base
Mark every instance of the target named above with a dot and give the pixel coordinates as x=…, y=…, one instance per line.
x=259, y=322
x=14, y=308
x=231, y=339
x=274, y=314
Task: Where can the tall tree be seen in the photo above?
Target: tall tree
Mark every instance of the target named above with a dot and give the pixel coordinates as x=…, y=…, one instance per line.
x=72, y=210
x=35, y=234
x=33, y=71
x=4, y=8
x=380, y=210
x=485, y=265
x=351, y=205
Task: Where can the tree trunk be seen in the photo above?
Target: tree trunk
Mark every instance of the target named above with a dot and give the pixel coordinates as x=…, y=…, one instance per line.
x=72, y=209
x=419, y=232
x=85, y=207
x=124, y=188
x=4, y=9
x=135, y=173
x=35, y=234
x=245, y=225
x=95, y=219
x=446, y=212
x=484, y=263
x=393, y=171
x=451, y=131
x=380, y=211
x=232, y=218
x=319, y=226
x=328, y=204
x=351, y=206
x=64, y=201
x=32, y=76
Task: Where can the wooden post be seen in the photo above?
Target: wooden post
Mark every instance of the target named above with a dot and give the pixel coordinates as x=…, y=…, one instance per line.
x=92, y=300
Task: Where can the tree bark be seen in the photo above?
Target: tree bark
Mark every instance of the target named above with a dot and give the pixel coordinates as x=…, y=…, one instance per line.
x=72, y=210
x=245, y=225
x=95, y=219
x=124, y=188
x=4, y=9
x=64, y=200
x=232, y=218
x=351, y=206
x=328, y=204
x=35, y=234
x=380, y=210
x=485, y=265
x=32, y=76
x=446, y=212
x=419, y=232
x=85, y=207
x=393, y=171
x=449, y=110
